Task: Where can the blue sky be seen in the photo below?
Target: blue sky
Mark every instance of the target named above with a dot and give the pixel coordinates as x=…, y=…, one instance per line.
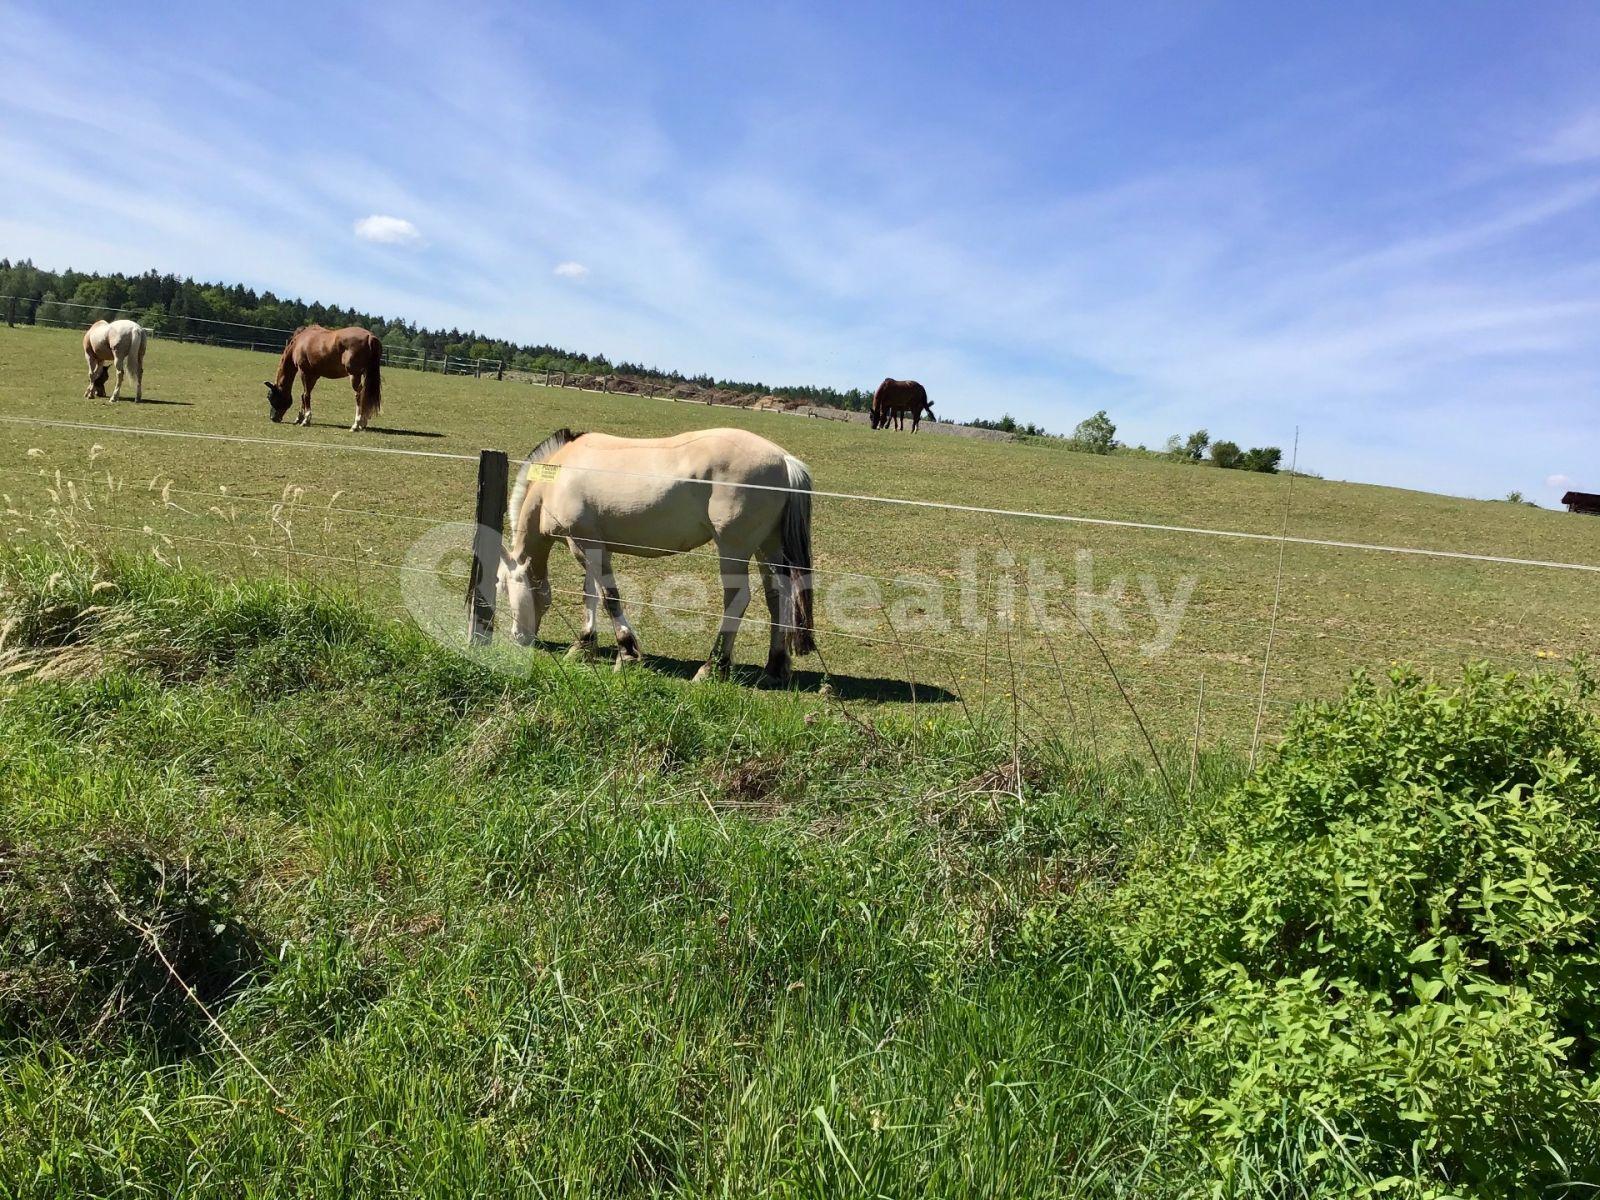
x=1378, y=222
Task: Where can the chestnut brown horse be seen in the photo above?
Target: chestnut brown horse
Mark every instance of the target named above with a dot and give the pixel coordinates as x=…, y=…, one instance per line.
x=897, y=397
x=316, y=353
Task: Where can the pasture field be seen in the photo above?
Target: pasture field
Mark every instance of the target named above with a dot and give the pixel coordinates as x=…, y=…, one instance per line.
x=934, y=637
x=297, y=900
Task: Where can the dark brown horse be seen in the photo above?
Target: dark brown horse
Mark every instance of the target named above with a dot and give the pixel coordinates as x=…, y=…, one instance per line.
x=316, y=353
x=897, y=397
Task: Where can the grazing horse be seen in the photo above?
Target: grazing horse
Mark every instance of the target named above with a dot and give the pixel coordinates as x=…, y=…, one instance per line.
x=897, y=397
x=316, y=353
x=120, y=343
x=657, y=496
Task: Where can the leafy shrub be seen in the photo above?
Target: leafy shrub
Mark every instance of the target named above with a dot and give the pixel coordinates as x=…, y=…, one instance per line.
x=1392, y=934
x=76, y=930
x=1265, y=459
x=1096, y=434
x=1226, y=455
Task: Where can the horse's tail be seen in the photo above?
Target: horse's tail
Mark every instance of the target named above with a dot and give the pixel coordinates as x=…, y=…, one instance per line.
x=372, y=382
x=796, y=542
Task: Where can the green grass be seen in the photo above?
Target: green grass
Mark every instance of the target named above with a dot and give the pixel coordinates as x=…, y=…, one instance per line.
x=1340, y=609
x=569, y=934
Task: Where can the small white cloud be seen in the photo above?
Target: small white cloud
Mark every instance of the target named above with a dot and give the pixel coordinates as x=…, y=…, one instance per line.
x=1557, y=482
x=394, y=231
x=571, y=270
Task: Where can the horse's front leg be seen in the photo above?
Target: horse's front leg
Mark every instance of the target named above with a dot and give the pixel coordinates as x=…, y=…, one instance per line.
x=588, y=639
x=735, y=597
x=627, y=643
x=305, y=401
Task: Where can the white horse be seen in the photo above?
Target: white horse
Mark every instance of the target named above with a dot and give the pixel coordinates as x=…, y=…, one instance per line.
x=657, y=496
x=120, y=343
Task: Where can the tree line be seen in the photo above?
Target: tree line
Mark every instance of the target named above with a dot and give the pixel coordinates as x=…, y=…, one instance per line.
x=181, y=307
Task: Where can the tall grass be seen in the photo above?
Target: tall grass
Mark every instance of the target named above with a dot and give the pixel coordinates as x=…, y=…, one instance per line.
x=572, y=933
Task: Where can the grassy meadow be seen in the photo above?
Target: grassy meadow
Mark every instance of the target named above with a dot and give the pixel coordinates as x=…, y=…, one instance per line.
x=297, y=899
x=352, y=518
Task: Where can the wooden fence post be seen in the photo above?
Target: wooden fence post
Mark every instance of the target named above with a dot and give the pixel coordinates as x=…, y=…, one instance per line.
x=477, y=368
x=500, y=370
x=445, y=369
x=493, y=474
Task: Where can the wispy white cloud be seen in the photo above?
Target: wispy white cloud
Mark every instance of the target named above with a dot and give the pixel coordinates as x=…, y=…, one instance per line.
x=391, y=231
x=1577, y=140
x=570, y=270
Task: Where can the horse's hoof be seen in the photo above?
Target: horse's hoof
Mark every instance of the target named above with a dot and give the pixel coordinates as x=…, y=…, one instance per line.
x=624, y=661
x=580, y=651
x=710, y=671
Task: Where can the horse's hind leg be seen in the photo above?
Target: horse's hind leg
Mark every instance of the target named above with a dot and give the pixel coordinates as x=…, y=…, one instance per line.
x=779, y=610
x=360, y=423
x=121, y=362
x=735, y=598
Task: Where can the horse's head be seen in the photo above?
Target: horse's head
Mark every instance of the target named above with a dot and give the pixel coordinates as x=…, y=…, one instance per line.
x=528, y=598
x=875, y=416
x=278, y=400
x=97, y=382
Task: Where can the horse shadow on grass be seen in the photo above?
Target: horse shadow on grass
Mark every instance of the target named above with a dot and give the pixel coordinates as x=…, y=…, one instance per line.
x=421, y=433
x=871, y=688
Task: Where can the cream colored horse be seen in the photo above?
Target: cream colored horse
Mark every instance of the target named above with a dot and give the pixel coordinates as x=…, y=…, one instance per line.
x=120, y=343
x=658, y=496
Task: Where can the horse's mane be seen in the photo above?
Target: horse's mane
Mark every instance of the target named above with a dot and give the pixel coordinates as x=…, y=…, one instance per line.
x=538, y=454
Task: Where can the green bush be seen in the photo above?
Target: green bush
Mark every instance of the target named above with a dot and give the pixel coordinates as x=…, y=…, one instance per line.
x=1226, y=455
x=1391, y=935
x=1265, y=459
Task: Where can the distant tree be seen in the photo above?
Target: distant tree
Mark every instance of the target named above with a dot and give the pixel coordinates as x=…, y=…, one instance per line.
x=50, y=312
x=1195, y=445
x=1006, y=424
x=1095, y=434
x=1261, y=458
x=1226, y=455
x=1514, y=497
